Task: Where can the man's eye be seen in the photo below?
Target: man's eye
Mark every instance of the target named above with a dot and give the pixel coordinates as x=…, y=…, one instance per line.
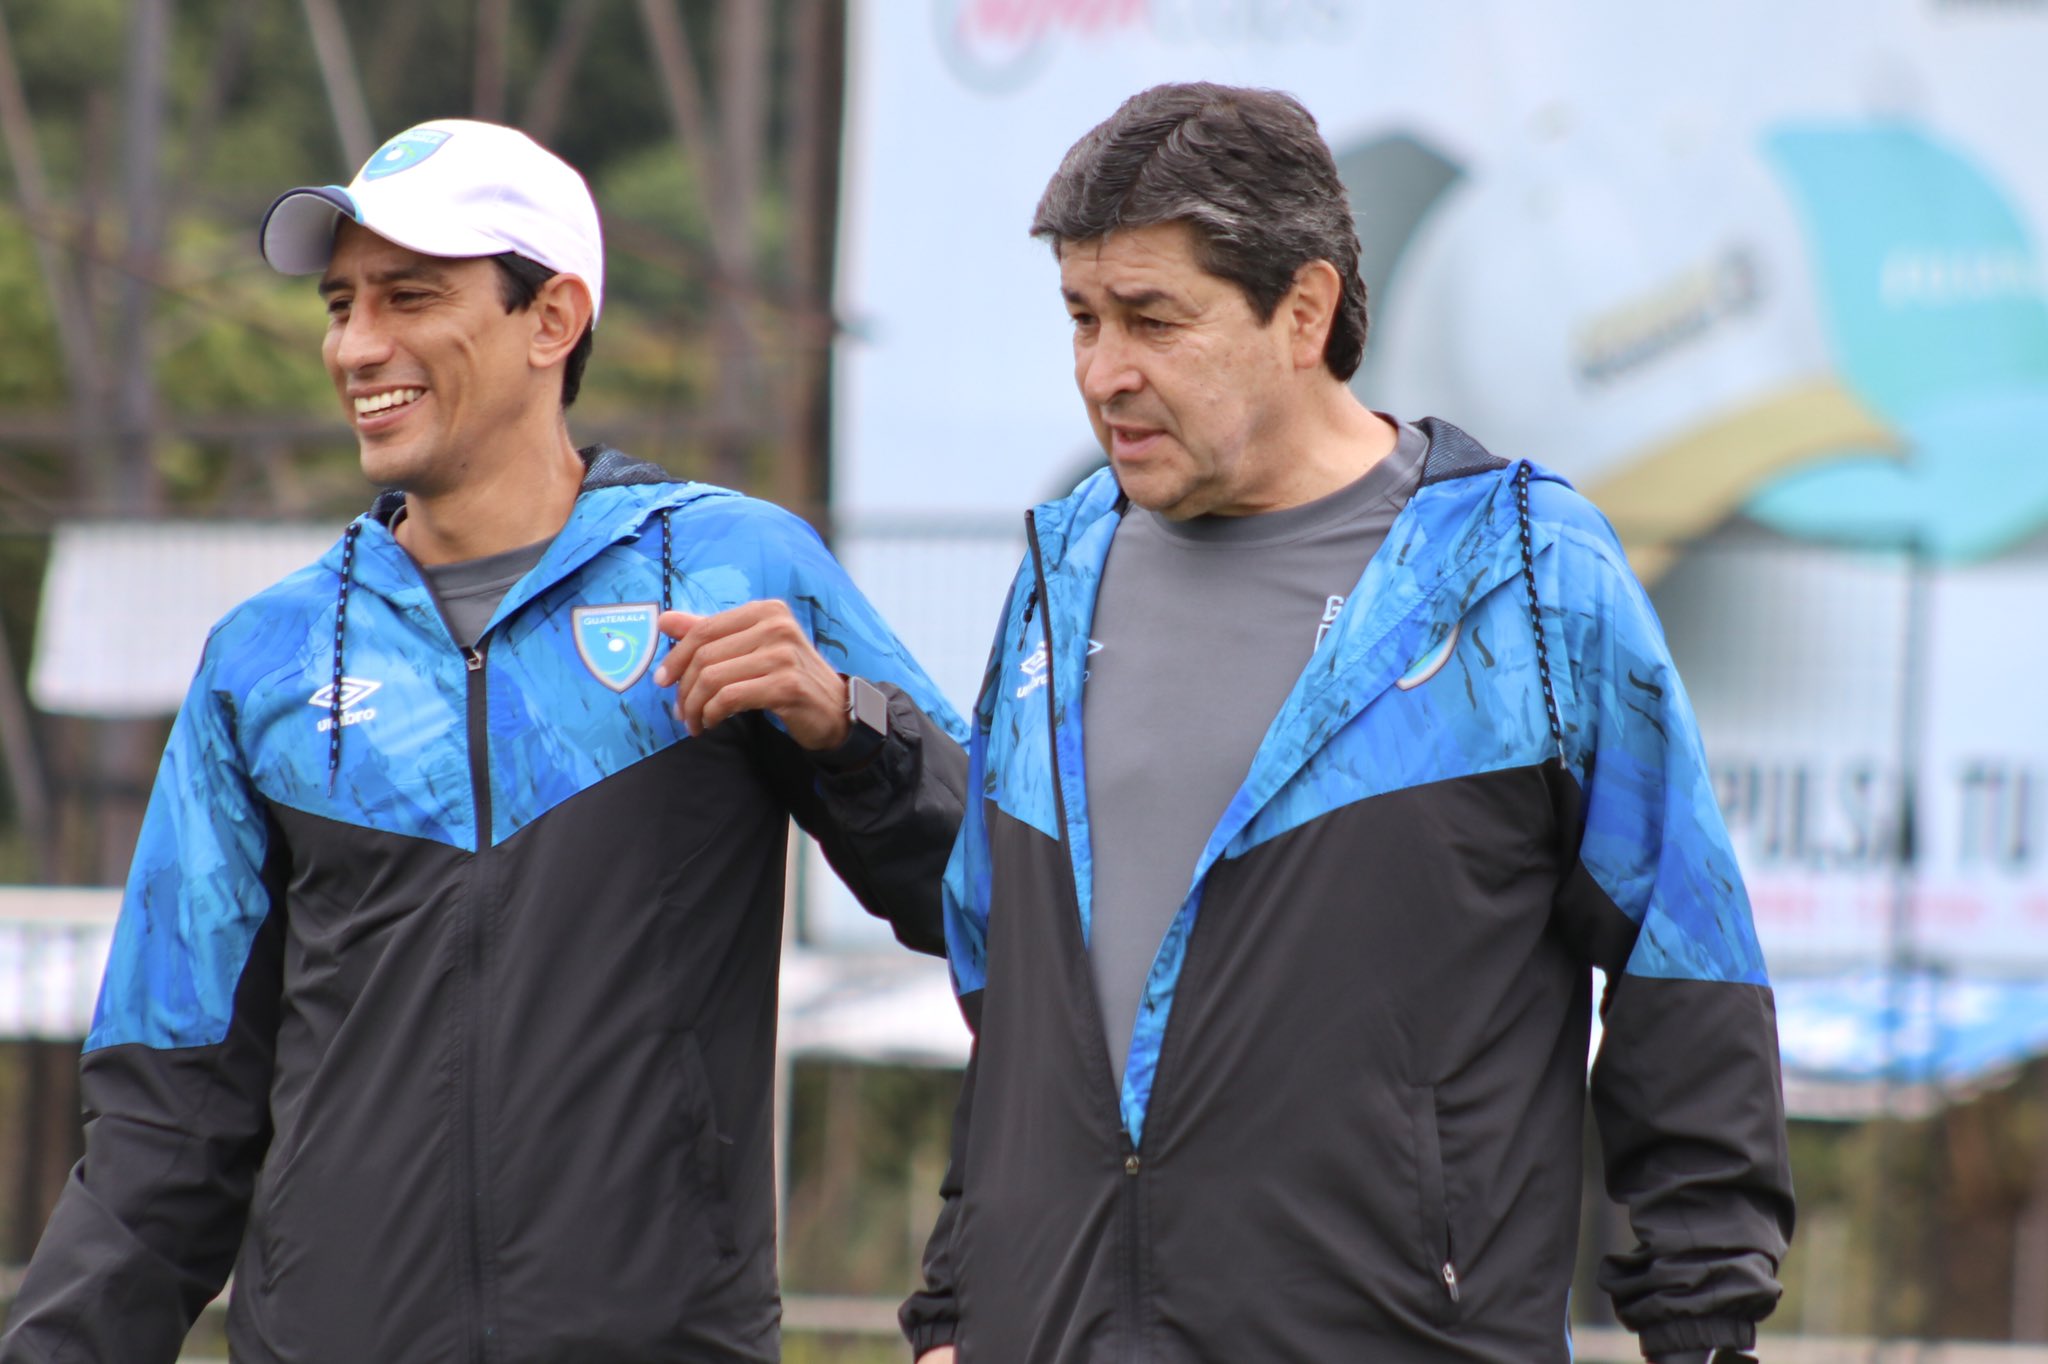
x=1154, y=325
x=1082, y=320
x=337, y=307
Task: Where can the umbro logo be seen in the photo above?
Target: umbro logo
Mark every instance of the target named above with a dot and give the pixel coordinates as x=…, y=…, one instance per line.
x=353, y=691
x=1037, y=672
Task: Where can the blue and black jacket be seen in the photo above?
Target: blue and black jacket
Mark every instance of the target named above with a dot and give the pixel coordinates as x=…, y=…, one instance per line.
x=442, y=1003
x=1350, y=1123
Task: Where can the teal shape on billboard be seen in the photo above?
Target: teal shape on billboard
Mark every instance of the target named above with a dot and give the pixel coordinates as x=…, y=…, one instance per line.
x=1931, y=293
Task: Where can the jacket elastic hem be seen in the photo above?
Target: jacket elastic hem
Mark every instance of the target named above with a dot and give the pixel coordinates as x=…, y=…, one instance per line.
x=859, y=752
x=1697, y=1333
x=930, y=1335
x=869, y=772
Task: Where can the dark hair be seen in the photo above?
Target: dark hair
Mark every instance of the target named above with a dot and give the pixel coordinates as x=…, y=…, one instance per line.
x=1245, y=169
x=519, y=281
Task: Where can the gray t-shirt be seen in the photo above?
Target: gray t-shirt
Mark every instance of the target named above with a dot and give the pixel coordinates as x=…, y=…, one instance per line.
x=468, y=593
x=1203, y=625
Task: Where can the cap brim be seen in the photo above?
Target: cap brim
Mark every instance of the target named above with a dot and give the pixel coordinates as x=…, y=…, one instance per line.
x=1684, y=487
x=297, y=237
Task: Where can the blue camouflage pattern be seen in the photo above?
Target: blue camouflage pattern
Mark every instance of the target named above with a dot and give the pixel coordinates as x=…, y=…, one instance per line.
x=1450, y=572
x=250, y=734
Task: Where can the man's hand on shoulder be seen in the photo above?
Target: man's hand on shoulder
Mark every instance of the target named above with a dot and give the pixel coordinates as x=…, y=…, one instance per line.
x=753, y=657
x=942, y=1355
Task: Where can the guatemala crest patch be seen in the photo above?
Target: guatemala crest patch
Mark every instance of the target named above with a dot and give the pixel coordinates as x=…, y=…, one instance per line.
x=404, y=152
x=616, y=642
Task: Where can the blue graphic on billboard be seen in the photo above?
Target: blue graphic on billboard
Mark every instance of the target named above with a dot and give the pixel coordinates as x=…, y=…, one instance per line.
x=1932, y=296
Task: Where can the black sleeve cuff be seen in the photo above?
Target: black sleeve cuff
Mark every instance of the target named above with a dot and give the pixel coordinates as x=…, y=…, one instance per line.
x=1697, y=1333
x=865, y=776
x=860, y=748
x=930, y=1334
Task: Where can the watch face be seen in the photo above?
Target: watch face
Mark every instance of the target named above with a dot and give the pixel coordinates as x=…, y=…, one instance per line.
x=867, y=704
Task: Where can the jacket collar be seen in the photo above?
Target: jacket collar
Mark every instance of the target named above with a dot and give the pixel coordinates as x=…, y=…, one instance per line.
x=618, y=499
x=1062, y=521
x=1457, y=539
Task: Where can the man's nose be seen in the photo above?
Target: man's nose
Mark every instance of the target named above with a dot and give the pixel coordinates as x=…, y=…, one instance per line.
x=364, y=342
x=1108, y=367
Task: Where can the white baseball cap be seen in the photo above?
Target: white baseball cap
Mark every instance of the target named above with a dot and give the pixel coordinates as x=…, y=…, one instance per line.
x=453, y=187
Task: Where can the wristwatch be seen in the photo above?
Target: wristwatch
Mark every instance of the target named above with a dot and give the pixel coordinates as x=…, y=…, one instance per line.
x=867, y=705
x=867, y=713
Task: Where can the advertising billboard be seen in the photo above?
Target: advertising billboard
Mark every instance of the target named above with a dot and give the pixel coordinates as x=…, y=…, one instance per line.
x=1762, y=280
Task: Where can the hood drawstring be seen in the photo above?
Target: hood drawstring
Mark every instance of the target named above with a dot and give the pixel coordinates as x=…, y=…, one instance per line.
x=348, y=558
x=667, y=561
x=1536, y=610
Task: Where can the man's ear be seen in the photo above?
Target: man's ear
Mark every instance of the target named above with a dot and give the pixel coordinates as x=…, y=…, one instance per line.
x=561, y=311
x=1309, y=310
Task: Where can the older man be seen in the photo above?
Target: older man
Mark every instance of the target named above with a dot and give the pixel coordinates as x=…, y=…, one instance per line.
x=442, y=1003
x=1322, y=756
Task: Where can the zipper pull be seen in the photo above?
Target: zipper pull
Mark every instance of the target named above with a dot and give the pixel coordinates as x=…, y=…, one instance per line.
x=1451, y=1279
x=1031, y=597
x=1030, y=602
x=473, y=659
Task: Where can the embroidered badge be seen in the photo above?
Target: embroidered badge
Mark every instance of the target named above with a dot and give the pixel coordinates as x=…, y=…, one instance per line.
x=616, y=642
x=404, y=152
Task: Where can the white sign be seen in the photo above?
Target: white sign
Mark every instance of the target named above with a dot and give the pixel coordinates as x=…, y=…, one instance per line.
x=1762, y=279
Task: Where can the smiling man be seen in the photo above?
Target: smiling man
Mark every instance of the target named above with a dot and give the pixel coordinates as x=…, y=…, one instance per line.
x=442, y=1004
x=1321, y=758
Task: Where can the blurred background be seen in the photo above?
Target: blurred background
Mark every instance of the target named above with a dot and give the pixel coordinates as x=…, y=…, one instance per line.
x=1761, y=278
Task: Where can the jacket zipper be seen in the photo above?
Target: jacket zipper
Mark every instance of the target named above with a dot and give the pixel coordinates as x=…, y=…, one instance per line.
x=469, y=1154
x=479, y=754
x=1127, y=1193
x=1052, y=710
x=1133, y=1163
